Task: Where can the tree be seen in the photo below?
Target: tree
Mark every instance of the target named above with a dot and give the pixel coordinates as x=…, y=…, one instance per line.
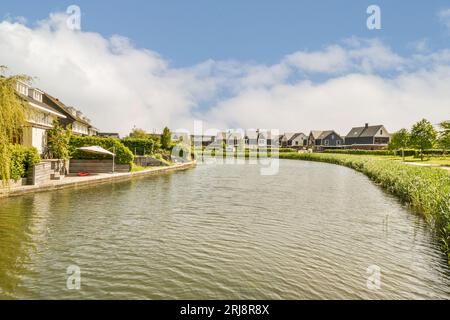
x=445, y=126
x=444, y=136
x=166, y=139
x=400, y=141
x=423, y=136
x=137, y=133
x=58, y=141
x=12, y=119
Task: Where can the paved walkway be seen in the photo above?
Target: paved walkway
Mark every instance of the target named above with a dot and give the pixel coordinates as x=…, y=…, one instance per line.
x=73, y=181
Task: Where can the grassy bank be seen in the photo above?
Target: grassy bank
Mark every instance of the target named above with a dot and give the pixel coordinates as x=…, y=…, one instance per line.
x=426, y=189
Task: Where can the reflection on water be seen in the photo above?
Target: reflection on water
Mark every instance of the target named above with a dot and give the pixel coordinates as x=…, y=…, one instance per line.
x=223, y=231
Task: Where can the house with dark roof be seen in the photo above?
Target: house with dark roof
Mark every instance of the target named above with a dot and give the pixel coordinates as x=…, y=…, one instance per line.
x=80, y=124
x=368, y=135
x=327, y=138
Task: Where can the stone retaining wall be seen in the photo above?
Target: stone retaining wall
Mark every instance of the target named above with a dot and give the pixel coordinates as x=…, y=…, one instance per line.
x=47, y=170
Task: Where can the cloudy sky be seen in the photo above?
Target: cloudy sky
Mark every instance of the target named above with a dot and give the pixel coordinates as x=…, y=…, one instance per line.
x=290, y=65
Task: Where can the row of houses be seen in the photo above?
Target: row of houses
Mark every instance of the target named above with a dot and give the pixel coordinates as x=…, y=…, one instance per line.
x=365, y=137
x=42, y=110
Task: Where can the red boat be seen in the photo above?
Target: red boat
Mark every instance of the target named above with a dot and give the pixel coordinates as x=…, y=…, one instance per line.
x=83, y=174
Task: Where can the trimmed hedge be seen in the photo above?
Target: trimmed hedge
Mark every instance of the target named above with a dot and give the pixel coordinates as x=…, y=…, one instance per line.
x=408, y=152
x=140, y=146
x=22, y=158
x=123, y=154
x=361, y=151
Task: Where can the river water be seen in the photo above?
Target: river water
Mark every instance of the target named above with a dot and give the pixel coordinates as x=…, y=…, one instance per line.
x=221, y=232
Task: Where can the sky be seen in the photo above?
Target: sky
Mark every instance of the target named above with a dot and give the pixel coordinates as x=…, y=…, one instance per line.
x=287, y=65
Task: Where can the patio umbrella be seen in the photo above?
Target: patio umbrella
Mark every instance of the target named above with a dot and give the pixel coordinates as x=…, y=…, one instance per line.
x=99, y=150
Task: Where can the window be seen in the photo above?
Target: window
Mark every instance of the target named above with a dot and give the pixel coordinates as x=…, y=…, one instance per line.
x=37, y=96
x=22, y=88
x=338, y=142
x=381, y=132
x=326, y=142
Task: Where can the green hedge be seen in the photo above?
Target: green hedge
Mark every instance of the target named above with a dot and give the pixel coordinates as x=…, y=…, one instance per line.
x=140, y=146
x=408, y=152
x=361, y=151
x=123, y=154
x=22, y=158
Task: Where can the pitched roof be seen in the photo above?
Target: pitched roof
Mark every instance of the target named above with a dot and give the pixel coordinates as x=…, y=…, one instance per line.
x=296, y=135
x=368, y=131
x=66, y=109
x=326, y=133
x=316, y=134
x=41, y=105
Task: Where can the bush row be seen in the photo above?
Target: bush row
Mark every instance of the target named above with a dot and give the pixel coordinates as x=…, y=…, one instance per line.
x=407, y=152
x=140, y=146
x=123, y=154
x=360, y=151
x=425, y=189
x=22, y=159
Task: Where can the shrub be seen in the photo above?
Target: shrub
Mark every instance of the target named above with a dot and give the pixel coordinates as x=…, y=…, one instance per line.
x=166, y=139
x=123, y=154
x=58, y=142
x=140, y=146
x=361, y=151
x=22, y=158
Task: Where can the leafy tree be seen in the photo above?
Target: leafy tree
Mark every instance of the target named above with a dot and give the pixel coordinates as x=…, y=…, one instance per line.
x=444, y=137
x=137, y=133
x=58, y=141
x=423, y=136
x=12, y=119
x=445, y=126
x=400, y=141
x=166, y=139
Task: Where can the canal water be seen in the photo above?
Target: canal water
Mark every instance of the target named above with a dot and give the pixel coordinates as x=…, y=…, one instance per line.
x=313, y=231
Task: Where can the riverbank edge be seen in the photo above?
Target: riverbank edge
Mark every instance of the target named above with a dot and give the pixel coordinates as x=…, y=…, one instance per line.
x=406, y=182
x=90, y=181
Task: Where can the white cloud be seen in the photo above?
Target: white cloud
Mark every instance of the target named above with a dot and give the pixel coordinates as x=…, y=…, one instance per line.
x=333, y=59
x=444, y=16
x=118, y=85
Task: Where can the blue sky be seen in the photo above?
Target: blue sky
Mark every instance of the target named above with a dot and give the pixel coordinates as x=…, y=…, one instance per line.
x=287, y=65
x=188, y=32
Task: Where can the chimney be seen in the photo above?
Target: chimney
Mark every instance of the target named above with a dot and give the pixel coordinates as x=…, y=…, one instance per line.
x=367, y=125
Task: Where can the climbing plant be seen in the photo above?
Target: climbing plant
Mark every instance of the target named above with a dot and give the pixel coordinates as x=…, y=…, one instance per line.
x=58, y=141
x=12, y=119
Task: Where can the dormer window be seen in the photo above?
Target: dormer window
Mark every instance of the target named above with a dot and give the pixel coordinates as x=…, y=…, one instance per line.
x=37, y=95
x=22, y=88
